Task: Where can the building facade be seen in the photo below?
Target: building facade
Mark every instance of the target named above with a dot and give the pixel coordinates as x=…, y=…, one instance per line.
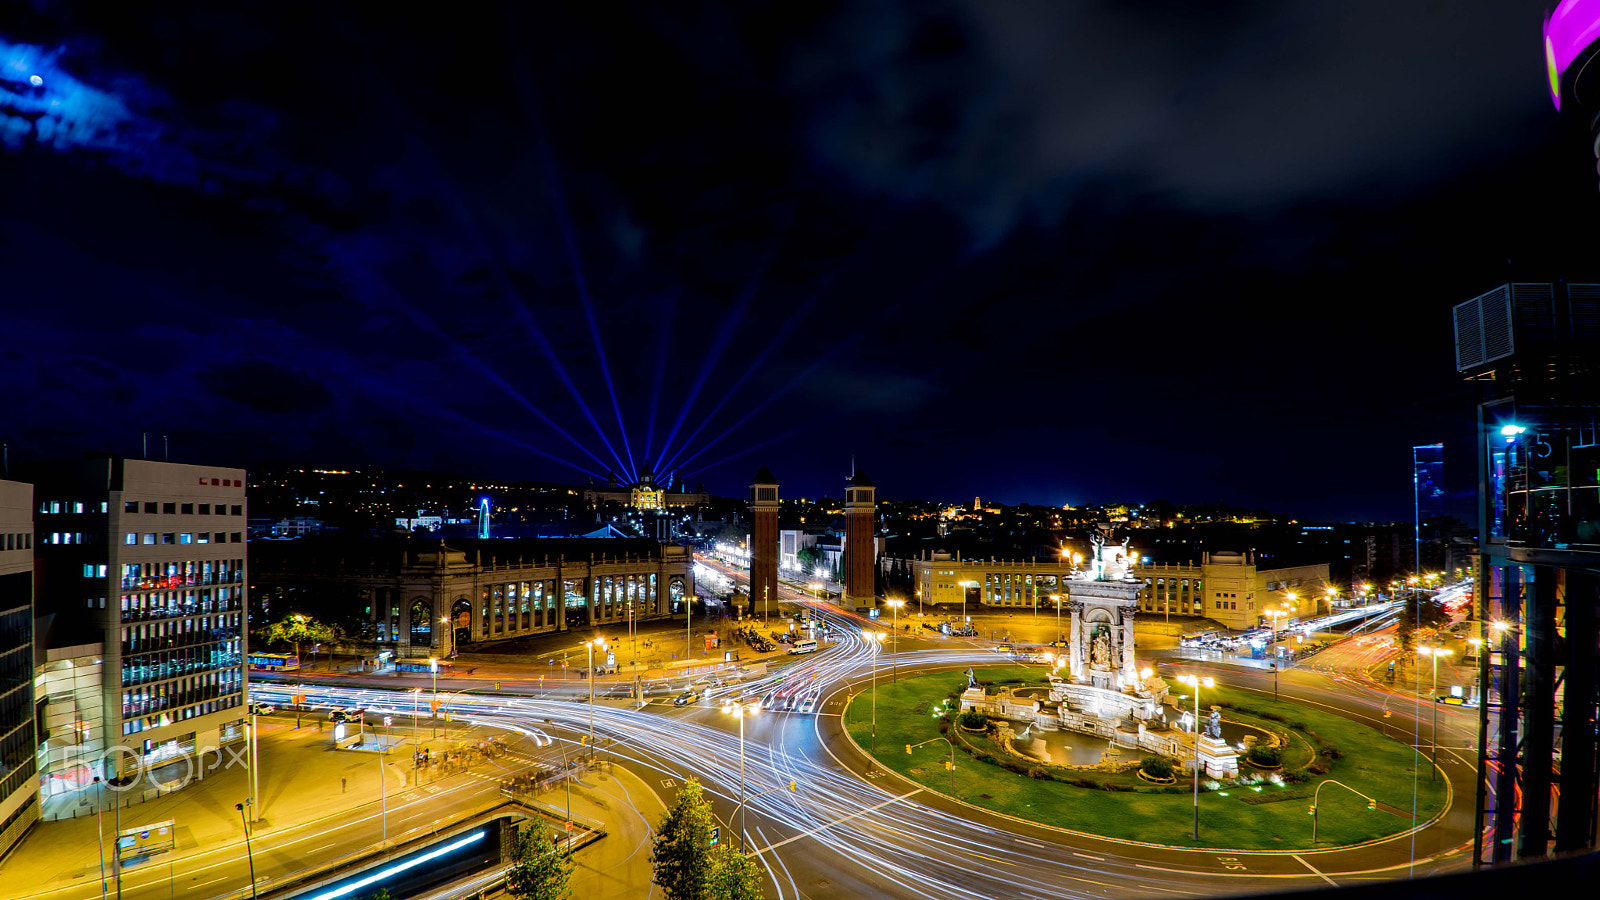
x=426, y=597
x=153, y=553
x=19, y=788
x=644, y=494
x=860, y=542
x=1532, y=354
x=1224, y=586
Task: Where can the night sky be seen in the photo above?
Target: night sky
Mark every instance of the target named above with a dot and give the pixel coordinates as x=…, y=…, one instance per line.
x=1049, y=252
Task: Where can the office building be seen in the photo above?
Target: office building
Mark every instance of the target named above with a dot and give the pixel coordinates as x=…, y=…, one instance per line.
x=19, y=789
x=153, y=555
x=1532, y=353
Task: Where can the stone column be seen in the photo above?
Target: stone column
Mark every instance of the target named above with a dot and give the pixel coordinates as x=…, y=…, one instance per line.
x=1074, y=643
x=1130, y=673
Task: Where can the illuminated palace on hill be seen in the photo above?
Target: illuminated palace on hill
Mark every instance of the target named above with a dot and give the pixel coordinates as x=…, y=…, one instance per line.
x=644, y=494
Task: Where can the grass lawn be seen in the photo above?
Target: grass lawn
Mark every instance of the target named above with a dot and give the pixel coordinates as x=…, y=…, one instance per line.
x=1237, y=817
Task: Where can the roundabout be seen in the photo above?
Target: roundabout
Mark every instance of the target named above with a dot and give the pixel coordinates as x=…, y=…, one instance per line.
x=1265, y=808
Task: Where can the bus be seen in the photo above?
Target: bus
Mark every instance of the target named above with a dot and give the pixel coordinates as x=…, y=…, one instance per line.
x=804, y=647
x=274, y=662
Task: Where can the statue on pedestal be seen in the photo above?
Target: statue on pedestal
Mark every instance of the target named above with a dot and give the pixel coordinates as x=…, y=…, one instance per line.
x=1214, y=726
x=1100, y=651
x=972, y=680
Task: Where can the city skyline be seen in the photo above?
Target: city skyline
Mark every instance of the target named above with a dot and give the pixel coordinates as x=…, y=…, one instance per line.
x=1180, y=277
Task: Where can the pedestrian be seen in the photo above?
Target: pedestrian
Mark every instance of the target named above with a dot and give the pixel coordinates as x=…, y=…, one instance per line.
x=344, y=785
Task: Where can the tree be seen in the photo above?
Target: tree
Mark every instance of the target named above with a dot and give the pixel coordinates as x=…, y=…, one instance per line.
x=735, y=876
x=1420, y=614
x=682, y=853
x=539, y=871
x=296, y=628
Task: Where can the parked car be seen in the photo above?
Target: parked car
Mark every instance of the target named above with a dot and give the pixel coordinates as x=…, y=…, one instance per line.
x=262, y=709
x=346, y=715
x=687, y=697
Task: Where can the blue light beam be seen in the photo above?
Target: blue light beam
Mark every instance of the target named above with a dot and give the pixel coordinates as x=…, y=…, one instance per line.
x=724, y=335
x=571, y=242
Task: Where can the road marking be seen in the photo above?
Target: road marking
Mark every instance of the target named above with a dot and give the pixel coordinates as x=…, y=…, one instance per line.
x=212, y=881
x=1032, y=843
x=826, y=825
x=1314, y=869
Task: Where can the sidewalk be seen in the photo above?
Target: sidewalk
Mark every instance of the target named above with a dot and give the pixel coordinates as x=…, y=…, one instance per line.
x=616, y=867
x=302, y=779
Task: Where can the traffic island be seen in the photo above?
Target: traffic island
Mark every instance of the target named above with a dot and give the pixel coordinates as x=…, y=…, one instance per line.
x=1100, y=790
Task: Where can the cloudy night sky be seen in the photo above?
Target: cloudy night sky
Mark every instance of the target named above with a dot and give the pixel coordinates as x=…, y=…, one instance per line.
x=1049, y=252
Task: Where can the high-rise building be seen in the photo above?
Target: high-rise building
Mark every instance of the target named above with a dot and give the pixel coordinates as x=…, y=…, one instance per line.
x=764, y=549
x=1427, y=493
x=153, y=553
x=19, y=789
x=1532, y=352
x=860, y=542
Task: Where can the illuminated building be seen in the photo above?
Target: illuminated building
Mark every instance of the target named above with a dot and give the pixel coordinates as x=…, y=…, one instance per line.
x=764, y=549
x=153, y=555
x=19, y=789
x=644, y=494
x=1532, y=352
x=860, y=542
x=426, y=597
x=1224, y=586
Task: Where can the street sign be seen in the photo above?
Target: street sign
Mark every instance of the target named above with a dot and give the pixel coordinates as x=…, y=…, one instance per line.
x=388, y=721
x=716, y=833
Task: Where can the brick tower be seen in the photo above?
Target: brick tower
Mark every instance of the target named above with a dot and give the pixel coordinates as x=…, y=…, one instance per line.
x=764, y=507
x=860, y=542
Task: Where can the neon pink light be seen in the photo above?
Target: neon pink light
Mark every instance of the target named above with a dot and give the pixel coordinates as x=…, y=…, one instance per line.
x=1573, y=26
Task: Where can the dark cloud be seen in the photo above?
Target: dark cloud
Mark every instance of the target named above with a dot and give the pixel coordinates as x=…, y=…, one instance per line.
x=266, y=387
x=1029, y=250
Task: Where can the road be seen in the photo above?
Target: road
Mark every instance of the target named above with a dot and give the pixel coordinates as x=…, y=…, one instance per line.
x=854, y=830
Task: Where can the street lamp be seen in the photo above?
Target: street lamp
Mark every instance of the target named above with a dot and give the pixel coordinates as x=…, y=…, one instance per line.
x=1057, y=599
x=433, y=716
x=1435, y=652
x=597, y=642
x=739, y=711
x=875, y=640
x=100, y=832
x=1275, y=614
x=248, y=850
x=450, y=633
x=816, y=589
x=965, y=586
x=894, y=651
x=1197, y=682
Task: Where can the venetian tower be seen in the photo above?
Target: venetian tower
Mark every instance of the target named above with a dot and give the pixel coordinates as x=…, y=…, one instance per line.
x=860, y=542
x=764, y=550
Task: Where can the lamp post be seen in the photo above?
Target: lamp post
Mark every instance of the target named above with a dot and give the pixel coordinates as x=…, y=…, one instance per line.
x=1197, y=682
x=100, y=832
x=739, y=711
x=965, y=586
x=597, y=642
x=1275, y=614
x=874, y=640
x=248, y=850
x=1435, y=652
x=816, y=589
x=449, y=633
x=894, y=650
x=416, y=712
x=433, y=716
